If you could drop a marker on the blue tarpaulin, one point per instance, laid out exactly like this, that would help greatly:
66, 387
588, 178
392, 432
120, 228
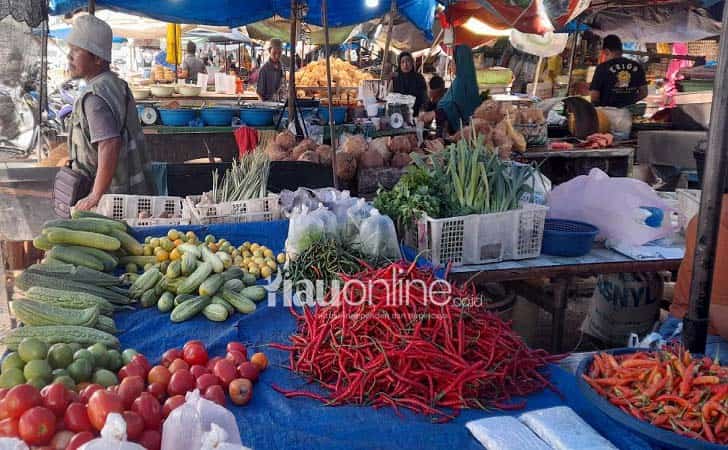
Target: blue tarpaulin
235, 13
270, 421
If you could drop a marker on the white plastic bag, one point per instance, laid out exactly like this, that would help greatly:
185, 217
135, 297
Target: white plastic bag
12, 444
356, 214
217, 439
331, 225
562, 429
303, 229
186, 425
622, 208
113, 436
378, 237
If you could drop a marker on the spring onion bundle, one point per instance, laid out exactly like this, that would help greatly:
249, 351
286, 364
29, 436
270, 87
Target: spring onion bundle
245, 180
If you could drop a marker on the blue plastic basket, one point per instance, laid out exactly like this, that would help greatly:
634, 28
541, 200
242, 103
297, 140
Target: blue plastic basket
339, 114
177, 117
567, 237
257, 117
217, 117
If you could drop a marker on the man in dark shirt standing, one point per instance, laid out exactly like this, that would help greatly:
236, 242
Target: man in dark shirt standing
618, 81
437, 90
270, 75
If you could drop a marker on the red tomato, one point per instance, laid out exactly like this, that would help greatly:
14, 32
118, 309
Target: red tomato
171, 404
88, 391
151, 440
189, 344
100, 405
79, 439
241, 391
4, 413
76, 418
195, 354
73, 397
142, 361
129, 390
178, 364
148, 407
132, 370
237, 347
225, 371
181, 382
113, 389
197, 371
3, 392
170, 355
9, 428
157, 390
55, 397
215, 393
236, 357
20, 399
249, 370
211, 363
61, 439
206, 381
37, 426
134, 425
159, 374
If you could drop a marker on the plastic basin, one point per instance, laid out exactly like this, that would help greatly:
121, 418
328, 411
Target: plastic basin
567, 237
177, 117
339, 114
217, 117
257, 117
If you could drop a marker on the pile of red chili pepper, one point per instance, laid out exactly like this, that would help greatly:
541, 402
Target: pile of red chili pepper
668, 388
406, 346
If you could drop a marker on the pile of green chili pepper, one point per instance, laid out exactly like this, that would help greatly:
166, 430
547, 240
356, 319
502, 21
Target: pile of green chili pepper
324, 260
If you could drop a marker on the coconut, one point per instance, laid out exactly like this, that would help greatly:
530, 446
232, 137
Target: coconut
371, 159
325, 154
286, 139
309, 156
356, 145
302, 147
400, 160
276, 152
381, 145
345, 166
400, 144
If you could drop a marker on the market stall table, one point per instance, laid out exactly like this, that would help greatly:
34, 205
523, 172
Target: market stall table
561, 166
562, 271
270, 421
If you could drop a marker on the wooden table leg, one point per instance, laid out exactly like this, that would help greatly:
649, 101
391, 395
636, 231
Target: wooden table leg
558, 317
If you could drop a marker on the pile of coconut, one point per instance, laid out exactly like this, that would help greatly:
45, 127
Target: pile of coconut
284, 148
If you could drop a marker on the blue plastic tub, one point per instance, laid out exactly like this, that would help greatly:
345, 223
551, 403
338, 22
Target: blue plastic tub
177, 117
257, 117
567, 237
339, 114
217, 117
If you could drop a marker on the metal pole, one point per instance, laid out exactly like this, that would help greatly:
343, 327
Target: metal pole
388, 42
695, 323
332, 130
537, 76
292, 70
571, 61
92, 7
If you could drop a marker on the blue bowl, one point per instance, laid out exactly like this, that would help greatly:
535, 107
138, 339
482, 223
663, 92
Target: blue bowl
660, 437
567, 237
339, 114
257, 117
306, 112
177, 117
217, 117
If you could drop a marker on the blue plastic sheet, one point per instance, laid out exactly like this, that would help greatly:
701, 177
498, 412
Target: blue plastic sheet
234, 13
270, 421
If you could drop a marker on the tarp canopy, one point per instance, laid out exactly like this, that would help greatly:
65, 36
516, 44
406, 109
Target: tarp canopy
235, 13
134, 27
281, 28
63, 32
220, 37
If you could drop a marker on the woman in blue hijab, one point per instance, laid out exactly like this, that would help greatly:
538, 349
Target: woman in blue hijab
458, 104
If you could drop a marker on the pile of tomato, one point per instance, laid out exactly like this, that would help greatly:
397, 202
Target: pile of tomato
57, 418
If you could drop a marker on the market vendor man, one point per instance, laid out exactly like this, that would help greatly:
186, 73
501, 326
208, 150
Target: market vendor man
270, 76
617, 82
192, 65
105, 141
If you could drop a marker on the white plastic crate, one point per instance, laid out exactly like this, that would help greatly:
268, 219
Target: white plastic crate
129, 207
483, 238
688, 205
265, 209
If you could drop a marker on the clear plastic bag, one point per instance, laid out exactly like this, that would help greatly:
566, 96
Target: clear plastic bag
303, 230
113, 436
217, 439
328, 218
562, 429
505, 433
186, 425
12, 444
378, 238
617, 206
356, 214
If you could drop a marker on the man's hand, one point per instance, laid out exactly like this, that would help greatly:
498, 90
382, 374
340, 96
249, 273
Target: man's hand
88, 202
427, 116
